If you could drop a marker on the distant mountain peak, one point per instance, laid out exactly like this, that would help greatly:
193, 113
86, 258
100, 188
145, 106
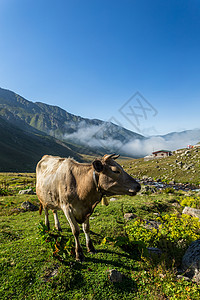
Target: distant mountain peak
61, 124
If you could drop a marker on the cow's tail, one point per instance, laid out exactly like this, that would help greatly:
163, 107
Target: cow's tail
41, 208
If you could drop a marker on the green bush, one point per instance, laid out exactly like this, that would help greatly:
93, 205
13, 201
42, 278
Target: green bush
190, 201
62, 247
174, 235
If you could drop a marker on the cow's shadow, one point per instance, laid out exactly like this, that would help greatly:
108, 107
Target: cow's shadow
107, 261
128, 284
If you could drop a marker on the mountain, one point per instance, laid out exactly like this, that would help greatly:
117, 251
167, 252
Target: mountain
29, 130
57, 122
191, 136
21, 150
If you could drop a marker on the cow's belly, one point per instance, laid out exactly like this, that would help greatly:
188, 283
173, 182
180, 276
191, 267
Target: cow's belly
48, 194
82, 211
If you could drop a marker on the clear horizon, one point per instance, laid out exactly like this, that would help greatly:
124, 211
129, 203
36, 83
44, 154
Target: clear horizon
134, 63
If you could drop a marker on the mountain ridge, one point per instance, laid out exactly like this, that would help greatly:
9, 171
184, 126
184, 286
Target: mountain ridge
21, 150
83, 136
54, 120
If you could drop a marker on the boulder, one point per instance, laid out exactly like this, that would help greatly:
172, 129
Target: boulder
183, 277
154, 251
147, 188
28, 206
152, 225
115, 276
113, 199
129, 216
172, 182
27, 192
194, 212
191, 261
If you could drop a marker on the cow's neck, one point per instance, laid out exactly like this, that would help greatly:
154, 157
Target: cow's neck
96, 182
88, 184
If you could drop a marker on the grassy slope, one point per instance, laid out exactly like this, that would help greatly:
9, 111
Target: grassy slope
20, 150
27, 264
169, 168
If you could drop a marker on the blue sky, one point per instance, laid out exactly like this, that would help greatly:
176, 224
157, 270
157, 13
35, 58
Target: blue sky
90, 57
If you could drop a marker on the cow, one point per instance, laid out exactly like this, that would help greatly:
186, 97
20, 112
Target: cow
76, 188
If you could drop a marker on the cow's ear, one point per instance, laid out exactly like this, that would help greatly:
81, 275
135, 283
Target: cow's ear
98, 166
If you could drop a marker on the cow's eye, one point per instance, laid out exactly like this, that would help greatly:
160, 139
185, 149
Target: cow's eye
116, 172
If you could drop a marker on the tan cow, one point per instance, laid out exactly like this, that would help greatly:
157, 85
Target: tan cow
76, 188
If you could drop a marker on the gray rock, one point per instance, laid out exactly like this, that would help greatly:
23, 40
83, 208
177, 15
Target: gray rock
176, 205
26, 192
183, 277
50, 273
115, 276
152, 225
172, 181
29, 206
187, 151
129, 216
147, 188
156, 214
113, 199
194, 212
154, 251
191, 261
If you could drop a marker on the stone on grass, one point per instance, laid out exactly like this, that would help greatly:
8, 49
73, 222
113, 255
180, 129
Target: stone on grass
28, 206
26, 192
113, 199
115, 276
183, 277
129, 216
152, 225
191, 261
154, 251
194, 212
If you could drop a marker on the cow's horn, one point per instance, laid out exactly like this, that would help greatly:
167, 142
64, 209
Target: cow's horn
113, 156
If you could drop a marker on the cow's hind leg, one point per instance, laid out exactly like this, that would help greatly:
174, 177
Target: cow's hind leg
76, 231
86, 229
57, 223
47, 218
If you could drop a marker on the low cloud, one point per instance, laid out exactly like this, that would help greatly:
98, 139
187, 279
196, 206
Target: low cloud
93, 137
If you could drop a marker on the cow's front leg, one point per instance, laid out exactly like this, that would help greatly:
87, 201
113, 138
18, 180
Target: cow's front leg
75, 230
86, 229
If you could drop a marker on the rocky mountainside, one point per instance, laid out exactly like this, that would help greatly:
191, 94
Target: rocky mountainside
182, 167
20, 150
57, 122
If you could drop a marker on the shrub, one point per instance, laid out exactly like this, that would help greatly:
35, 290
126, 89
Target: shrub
4, 192
62, 247
169, 190
190, 201
174, 235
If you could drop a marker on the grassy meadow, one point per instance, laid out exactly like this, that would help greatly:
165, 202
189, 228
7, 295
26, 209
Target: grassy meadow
36, 264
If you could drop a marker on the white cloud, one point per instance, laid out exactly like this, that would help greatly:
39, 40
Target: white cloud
89, 136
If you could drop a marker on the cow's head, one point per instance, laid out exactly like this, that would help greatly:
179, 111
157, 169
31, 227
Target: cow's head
113, 180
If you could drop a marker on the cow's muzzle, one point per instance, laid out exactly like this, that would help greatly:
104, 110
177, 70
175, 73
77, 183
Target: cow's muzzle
133, 192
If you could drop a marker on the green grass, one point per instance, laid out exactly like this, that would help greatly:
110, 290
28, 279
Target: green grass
168, 168
29, 270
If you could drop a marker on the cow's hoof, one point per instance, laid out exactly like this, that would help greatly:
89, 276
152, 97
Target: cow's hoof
59, 229
91, 248
80, 257
92, 251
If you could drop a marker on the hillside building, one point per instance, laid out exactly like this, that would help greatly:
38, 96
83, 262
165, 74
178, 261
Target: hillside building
161, 153
158, 154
